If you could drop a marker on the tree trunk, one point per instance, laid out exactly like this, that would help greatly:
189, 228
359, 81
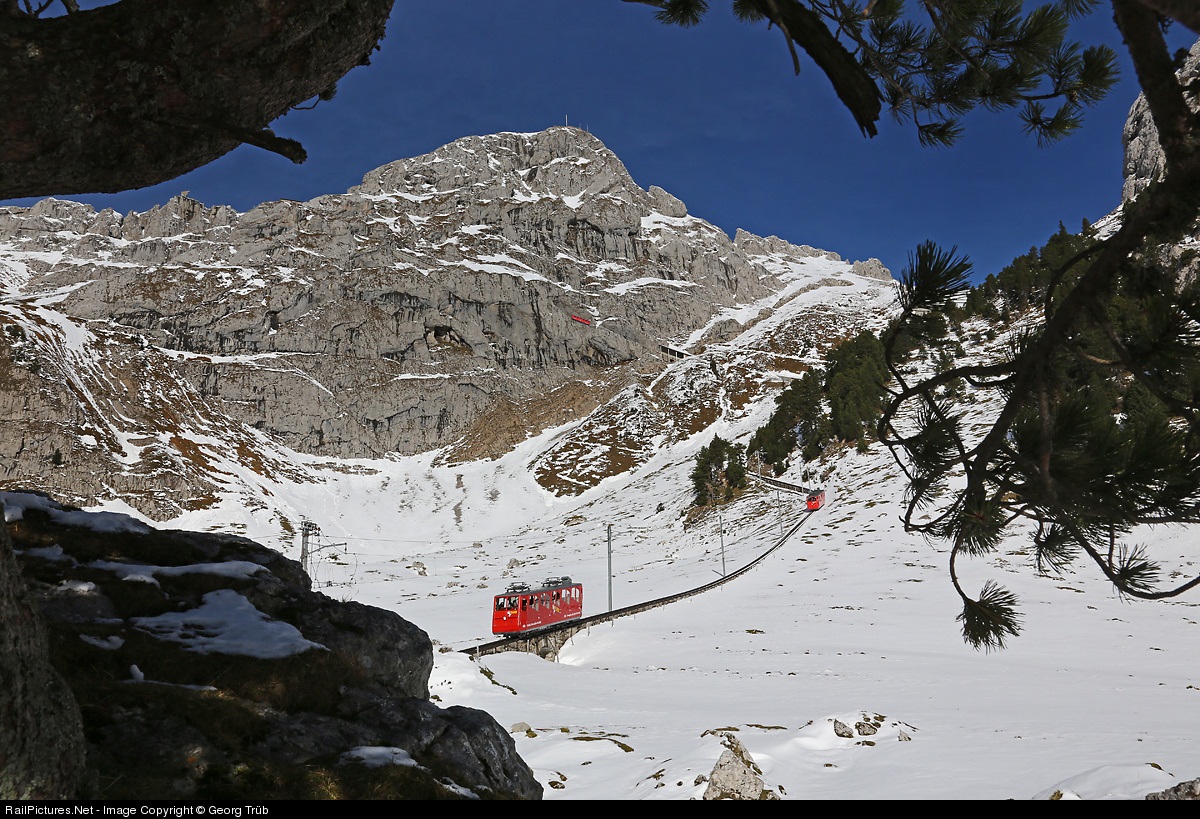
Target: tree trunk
140, 92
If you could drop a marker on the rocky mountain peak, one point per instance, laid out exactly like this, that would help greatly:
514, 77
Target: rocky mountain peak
560, 161
764, 245
452, 301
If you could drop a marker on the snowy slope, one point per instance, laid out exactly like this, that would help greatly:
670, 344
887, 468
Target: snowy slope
852, 620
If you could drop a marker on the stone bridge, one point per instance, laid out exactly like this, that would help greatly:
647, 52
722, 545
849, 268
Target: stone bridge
549, 641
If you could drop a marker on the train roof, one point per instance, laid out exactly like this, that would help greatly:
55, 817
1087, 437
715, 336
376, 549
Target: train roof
548, 583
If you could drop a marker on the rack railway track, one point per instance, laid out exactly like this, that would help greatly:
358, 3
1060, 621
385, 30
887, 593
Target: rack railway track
547, 641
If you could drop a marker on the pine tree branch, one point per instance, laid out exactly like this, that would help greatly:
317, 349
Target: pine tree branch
787, 35
803, 27
1163, 211
1139, 370
1057, 276
1179, 189
852, 84
1106, 565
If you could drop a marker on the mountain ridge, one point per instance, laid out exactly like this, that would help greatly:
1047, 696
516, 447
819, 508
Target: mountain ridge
147, 350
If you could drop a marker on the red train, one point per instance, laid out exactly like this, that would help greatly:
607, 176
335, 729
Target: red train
816, 500
522, 608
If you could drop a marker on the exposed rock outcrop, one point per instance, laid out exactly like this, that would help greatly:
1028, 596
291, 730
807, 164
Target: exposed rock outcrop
872, 269
1143, 155
172, 350
1144, 163
207, 668
41, 733
1183, 791
736, 776
749, 243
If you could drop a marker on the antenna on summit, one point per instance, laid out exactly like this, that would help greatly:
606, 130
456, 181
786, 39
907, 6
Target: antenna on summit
565, 120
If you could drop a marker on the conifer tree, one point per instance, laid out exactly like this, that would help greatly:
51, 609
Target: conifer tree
854, 385
932, 61
1118, 320
720, 468
1097, 432
798, 420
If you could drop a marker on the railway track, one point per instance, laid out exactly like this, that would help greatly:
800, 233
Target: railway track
784, 485
557, 635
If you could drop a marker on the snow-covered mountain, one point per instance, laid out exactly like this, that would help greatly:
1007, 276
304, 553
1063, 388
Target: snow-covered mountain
456, 302
245, 391
850, 622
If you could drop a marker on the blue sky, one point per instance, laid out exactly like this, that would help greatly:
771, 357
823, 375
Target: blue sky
712, 114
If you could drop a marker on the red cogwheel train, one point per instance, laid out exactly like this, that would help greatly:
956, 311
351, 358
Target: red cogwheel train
525, 608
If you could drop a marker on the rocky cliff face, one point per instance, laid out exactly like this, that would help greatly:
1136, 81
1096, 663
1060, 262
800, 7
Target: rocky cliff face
41, 734
1144, 163
151, 356
1143, 155
207, 668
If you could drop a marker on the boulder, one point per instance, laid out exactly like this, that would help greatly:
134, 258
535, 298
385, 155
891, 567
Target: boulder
1184, 790
736, 776
208, 668
41, 731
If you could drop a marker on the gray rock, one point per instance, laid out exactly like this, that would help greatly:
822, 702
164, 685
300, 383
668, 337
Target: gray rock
1144, 163
394, 318
872, 269
1184, 790
216, 724
42, 747
736, 776
758, 245
1143, 154
392, 653
667, 204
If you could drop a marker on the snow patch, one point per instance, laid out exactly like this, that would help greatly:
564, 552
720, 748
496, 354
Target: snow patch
227, 623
